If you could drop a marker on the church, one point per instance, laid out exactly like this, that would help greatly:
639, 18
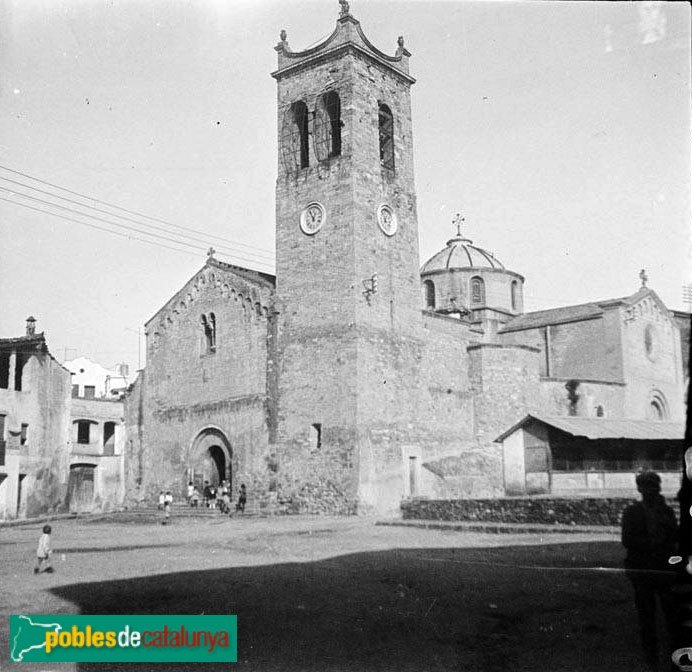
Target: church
356, 377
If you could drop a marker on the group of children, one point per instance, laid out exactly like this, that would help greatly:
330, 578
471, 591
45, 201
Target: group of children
217, 496
212, 497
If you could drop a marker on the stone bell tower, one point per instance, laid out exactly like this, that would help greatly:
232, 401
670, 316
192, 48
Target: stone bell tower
348, 286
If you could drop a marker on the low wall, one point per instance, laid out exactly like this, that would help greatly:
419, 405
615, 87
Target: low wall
587, 511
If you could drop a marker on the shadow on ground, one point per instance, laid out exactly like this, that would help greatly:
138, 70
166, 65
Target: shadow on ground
108, 549
538, 608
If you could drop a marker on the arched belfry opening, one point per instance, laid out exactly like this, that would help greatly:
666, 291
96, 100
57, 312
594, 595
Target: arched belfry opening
210, 458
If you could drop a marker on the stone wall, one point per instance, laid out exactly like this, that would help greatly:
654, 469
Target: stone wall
652, 358
587, 397
350, 365
583, 511
45, 456
36, 470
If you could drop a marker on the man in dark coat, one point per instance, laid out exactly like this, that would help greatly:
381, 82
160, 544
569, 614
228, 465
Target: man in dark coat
649, 533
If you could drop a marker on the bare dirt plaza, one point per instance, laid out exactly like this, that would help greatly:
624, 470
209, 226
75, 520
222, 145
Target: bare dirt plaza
318, 593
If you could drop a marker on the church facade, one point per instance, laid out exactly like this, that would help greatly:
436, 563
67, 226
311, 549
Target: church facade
355, 377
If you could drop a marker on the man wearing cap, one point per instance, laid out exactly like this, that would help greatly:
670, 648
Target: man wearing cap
649, 533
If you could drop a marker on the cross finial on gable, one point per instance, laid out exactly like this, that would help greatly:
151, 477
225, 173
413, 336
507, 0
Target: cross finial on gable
643, 277
211, 252
345, 9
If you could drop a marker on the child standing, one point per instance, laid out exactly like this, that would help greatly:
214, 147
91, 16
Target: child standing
167, 501
43, 551
242, 499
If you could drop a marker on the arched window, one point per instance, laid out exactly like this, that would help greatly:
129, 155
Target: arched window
386, 120
429, 294
300, 133
109, 438
327, 129
209, 327
82, 431
600, 411
515, 295
658, 408
477, 290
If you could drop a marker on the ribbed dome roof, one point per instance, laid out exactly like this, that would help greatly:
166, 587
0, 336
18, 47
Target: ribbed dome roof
461, 253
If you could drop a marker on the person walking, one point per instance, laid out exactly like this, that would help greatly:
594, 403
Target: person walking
649, 533
44, 551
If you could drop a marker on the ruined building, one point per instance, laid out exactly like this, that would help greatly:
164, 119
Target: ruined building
354, 378
59, 451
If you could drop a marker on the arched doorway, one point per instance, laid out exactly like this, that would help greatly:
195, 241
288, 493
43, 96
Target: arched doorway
210, 458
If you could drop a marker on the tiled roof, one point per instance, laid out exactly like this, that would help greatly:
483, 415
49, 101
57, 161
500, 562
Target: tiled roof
607, 428
582, 311
246, 273
541, 318
37, 342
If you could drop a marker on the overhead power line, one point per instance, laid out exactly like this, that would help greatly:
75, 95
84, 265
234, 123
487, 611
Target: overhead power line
123, 217
100, 228
185, 244
132, 212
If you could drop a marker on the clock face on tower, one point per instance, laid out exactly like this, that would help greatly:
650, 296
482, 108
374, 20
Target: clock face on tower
386, 218
312, 218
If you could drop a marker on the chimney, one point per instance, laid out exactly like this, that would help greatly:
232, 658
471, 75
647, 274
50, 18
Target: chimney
30, 326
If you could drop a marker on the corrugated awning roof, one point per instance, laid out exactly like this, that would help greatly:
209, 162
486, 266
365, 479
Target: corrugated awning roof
607, 428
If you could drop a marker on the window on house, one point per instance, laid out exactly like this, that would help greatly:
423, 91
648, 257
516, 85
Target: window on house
515, 295
301, 118
4, 370
477, 290
316, 436
386, 121
89, 391
429, 289
75, 391
23, 434
413, 476
600, 411
109, 438
20, 361
2, 439
83, 432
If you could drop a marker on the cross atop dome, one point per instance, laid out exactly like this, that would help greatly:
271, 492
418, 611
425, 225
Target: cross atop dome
457, 221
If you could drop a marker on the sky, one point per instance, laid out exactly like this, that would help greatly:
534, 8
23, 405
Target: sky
561, 131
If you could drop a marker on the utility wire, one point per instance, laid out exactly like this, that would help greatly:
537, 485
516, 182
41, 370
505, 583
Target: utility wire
229, 250
115, 224
100, 228
131, 212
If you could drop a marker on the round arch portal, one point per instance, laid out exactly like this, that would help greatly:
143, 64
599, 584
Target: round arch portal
210, 458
